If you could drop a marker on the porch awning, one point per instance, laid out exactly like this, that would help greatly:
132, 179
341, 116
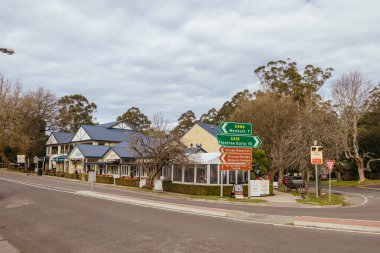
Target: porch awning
60, 158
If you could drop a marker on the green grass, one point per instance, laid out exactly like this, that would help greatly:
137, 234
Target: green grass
336, 199
352, 183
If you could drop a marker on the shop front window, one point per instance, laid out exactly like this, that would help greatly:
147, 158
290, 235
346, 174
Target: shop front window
213, 173
166, 171
202, 173
232, 176
177, 173
189, 174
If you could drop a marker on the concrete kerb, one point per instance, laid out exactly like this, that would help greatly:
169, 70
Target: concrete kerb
6, 247
287, 200
302, 221
338, 224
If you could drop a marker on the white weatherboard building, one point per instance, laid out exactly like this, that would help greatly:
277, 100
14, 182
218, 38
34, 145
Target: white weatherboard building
105, 148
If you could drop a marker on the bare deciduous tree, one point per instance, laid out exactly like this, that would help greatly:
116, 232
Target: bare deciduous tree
158, 149
350, 94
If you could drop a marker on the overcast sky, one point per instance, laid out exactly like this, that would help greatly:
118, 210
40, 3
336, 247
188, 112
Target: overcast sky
173, 56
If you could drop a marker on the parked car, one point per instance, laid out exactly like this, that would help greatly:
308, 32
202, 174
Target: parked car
297, 181
294, 182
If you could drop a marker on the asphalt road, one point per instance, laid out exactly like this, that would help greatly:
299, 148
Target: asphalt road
36, 219
369, 210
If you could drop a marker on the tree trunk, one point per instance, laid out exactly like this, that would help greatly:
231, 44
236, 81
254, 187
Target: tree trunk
152, 176
360, 164
338, 176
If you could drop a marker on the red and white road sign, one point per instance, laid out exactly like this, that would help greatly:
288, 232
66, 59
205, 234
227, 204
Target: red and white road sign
231, 166
236, 150
330, 164
236, 158
316, 155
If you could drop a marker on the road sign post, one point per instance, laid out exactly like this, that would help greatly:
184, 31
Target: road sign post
238, 141
236, 151
91, 178
330, 165
316, 157
236, 128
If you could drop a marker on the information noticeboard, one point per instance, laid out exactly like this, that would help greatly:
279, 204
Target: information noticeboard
259, 188
20, 158
91, 176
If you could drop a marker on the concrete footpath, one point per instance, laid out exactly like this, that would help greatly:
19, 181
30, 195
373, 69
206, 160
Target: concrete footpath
6, 247
298, 221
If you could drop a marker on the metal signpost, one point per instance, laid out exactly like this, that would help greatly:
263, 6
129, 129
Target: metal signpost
236, 158
238, 141
316, 158
330, 165
236, 128
91, 177
236, 151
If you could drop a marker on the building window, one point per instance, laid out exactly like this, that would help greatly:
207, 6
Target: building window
166, 171
202, 173
213, 173
189, 174
113, 170
240, 176
232, 178
177, 173
54, 150
124, 170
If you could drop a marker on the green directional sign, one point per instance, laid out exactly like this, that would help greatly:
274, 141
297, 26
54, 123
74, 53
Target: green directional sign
238, 141
236, 128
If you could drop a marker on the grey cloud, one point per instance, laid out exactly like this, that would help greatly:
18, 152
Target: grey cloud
172, 56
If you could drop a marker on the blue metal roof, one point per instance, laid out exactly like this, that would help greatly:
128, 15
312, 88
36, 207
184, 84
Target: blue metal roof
212, 129
92, 151
194, 150
124, 152
110, 124
62, 137
99, 133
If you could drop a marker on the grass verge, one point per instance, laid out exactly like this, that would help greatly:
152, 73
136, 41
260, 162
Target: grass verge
352, 183
311, 199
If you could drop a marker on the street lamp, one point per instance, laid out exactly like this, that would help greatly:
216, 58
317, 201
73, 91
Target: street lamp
7, 51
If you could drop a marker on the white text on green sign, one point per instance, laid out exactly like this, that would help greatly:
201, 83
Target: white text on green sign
238, 141
236, 128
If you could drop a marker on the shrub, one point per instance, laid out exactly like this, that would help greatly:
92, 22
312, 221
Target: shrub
104, 179
204, 190
73, 176
128, 182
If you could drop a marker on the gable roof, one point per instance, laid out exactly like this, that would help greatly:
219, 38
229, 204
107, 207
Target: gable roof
110, 124
114, 124
211, 129
195, 150
62, 137
124, 152
99, 133
92, 151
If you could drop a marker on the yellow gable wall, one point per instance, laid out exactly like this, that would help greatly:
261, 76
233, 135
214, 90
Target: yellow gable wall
197, 135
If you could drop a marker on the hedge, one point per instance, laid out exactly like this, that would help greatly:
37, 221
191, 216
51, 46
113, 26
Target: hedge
104, 179
73, 176
204, 190
128, 182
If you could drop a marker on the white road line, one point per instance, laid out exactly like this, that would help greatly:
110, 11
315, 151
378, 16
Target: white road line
65, 190
361, 195
52, 188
